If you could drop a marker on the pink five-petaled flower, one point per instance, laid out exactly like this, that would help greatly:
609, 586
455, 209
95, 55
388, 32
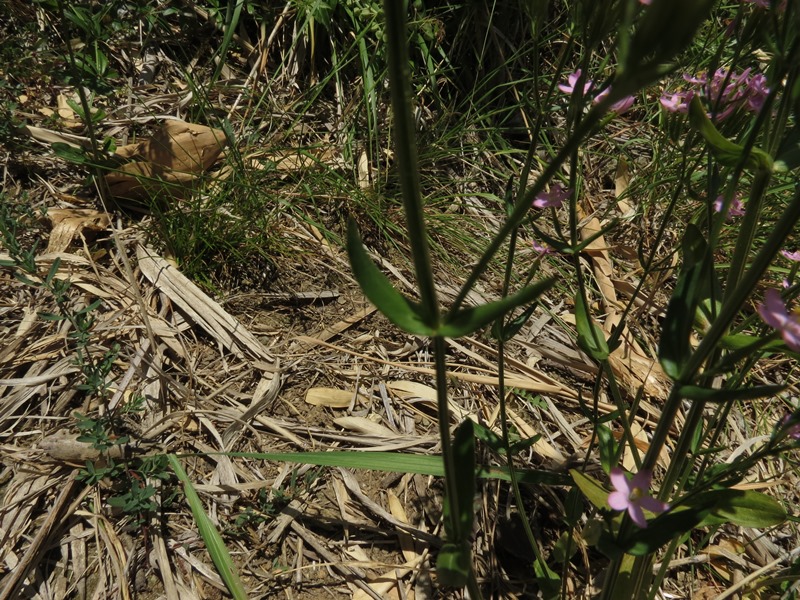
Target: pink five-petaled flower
554, 197
736, 209
677, 102
572, 81
795, 256
774, 313
541, 249
633, 495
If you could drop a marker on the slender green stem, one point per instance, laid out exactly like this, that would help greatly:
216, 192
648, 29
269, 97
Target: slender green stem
747, 232
439, 349
406, 151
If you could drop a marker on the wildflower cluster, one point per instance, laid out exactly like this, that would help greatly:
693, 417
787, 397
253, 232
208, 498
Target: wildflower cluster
726, 92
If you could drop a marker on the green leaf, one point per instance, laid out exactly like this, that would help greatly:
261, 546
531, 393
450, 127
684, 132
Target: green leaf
70, 153
591, 338
595, 493
216, 546
488, 437
728, 153
378, 289
469, 320
693, 392
453, 565
750, 343
745, 508
674, 349
395, 462
464, 456
659, 531
607, 446
513, 327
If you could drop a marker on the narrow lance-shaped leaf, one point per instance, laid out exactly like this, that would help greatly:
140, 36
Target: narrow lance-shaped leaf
674, 349
728, 153
213, 540
745, 508
401, 311
396, 462
469, 320
591, 338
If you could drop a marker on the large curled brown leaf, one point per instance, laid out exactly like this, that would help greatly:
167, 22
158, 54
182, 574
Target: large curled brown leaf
167, 163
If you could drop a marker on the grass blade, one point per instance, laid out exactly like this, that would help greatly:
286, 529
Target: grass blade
216, 547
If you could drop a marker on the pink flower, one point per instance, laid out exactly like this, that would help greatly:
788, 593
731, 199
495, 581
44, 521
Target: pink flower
677, 102
735, 210
725, 91
572, 81
541, 249
554, 197
695, 79
620, 106
645, 2
774, 313
757, 92
795, 256
633, 495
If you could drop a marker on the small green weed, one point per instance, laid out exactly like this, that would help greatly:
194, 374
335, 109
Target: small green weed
268, 503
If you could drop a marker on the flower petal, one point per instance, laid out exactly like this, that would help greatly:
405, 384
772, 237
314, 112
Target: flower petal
637, 515
653, 505
619, 481
773, 310
618, 500
795, 256
642, 480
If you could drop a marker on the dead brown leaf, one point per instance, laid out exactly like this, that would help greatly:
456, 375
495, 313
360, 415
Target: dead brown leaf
169, 162
70, 223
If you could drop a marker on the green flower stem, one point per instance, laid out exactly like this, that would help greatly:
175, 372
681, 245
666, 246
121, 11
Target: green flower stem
406, 150
747, 231
454, 526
